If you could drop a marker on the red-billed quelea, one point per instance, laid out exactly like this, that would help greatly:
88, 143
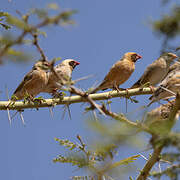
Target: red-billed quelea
156, 71
62, 76
33, 82
120, 72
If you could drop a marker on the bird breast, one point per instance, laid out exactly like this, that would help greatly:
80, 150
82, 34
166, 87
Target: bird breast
120, 72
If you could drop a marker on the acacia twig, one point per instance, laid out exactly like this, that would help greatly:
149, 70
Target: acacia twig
19, 105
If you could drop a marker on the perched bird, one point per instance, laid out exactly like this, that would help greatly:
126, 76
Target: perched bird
156, 71
167, 89
61, 77
120, 72
157, 119
33, 82
174, 68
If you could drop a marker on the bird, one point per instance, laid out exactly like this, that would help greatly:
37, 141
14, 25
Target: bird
167, 89
174, 68
157, 119
156, 71
119, 72
61, 77
33, 82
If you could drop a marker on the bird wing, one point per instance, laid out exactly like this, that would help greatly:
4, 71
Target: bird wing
152, 73
118, 74
26, 79
148, 73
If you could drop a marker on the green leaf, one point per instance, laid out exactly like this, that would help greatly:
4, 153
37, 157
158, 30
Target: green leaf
67, 14
41, 13
75, 160
18, 56
3, 14
66, 143
53, 6
41, 33
5, 26
124, 161
17, 22
14, 52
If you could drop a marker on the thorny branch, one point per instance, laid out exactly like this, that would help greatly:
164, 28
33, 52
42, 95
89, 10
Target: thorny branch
87, 97
19, 105
83, 97
157, 149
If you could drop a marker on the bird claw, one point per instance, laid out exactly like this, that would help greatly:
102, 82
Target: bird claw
28, 98
38, 100
115, 87
58, 94
127, 92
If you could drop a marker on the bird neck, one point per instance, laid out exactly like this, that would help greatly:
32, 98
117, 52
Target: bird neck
37, 68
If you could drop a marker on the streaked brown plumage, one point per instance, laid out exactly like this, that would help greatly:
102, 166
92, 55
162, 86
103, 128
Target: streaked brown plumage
33, 82
157, 119
174, 69
171, 84
156, 71
120, 72
64, 72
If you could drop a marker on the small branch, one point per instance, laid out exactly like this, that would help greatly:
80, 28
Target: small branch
19, 105
50, 20
169, 169
157, 149
35, 36
150, 163
87, 97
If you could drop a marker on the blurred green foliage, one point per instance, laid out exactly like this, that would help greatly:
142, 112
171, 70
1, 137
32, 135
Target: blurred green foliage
20, 24
168, 26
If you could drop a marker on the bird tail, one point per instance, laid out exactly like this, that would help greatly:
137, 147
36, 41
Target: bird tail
102, 86
151, 98
152, 101
94, 90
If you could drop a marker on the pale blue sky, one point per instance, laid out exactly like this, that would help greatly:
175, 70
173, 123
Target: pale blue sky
105, 30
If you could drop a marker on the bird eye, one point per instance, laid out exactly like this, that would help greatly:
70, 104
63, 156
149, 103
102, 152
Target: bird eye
71, 63
46, 64
134, 57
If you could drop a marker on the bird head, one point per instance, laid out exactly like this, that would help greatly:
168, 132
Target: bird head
169, 57
132, 56
42, 64
70, 62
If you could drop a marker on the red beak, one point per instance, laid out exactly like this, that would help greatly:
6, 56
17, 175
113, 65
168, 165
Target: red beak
77, 63
138, 56
175, 56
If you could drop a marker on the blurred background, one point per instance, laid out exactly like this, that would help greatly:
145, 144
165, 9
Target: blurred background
102, 33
